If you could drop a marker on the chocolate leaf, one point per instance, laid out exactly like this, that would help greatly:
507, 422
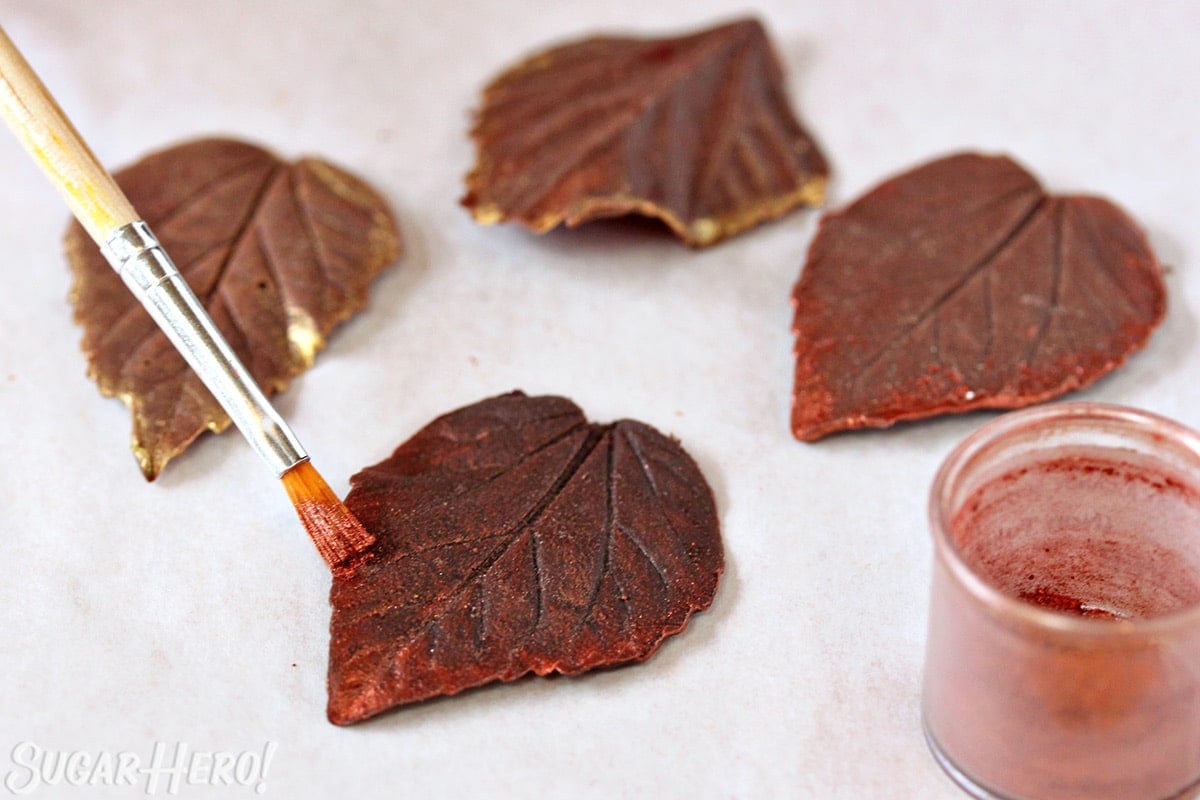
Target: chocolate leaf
963, 285
514, 537
694, 130
278, 253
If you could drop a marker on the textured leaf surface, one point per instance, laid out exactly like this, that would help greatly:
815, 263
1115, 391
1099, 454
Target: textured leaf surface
278, 253
694, 130
514, 537
963, 285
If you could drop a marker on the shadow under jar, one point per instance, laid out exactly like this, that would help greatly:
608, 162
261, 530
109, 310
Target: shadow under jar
1063, 657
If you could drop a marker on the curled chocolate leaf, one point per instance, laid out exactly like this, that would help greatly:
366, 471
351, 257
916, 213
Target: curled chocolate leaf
278, 253
962, 285
514, 537
694, 130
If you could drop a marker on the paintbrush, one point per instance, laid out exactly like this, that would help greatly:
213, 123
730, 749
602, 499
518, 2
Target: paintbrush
133, 251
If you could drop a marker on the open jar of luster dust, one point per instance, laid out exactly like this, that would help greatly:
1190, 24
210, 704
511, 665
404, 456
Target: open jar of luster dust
1063, 658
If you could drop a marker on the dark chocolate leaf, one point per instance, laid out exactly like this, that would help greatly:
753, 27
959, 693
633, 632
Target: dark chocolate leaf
962, 285
513, 537
278, 253
694, 130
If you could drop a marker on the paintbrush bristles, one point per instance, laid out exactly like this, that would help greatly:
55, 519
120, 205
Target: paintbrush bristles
336, 532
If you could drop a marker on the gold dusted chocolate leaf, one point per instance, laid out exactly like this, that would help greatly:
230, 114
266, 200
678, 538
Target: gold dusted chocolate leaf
695, 131
278, 253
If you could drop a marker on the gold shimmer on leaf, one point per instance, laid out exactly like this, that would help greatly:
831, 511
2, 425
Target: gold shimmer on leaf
303, 336
695, 131
489, 214
278, 253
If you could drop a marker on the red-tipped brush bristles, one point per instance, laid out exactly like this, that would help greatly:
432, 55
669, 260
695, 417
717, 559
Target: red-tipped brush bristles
333, 529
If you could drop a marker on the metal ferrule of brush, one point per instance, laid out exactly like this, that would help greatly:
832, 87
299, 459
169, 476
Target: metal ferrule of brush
136, 255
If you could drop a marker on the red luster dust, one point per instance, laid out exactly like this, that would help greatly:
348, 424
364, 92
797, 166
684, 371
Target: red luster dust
514, 538
1107, 708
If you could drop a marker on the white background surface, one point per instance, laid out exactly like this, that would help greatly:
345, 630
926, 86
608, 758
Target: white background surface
194, 610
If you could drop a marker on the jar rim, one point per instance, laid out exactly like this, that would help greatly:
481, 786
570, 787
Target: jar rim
1029, 420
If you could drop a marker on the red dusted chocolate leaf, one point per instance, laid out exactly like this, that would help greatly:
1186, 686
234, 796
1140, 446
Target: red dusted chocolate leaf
962, 285
278, 253
694, 130
514, 537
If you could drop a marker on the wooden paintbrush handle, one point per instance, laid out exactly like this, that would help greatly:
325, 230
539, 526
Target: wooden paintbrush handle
33, 115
